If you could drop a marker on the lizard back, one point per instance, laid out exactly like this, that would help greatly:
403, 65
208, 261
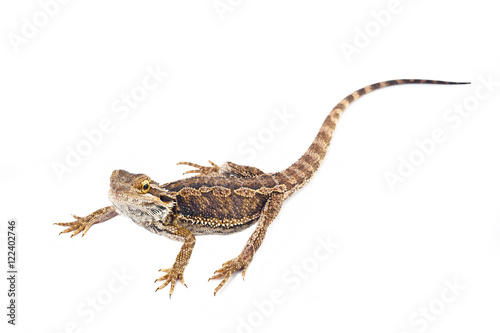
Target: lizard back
211, 205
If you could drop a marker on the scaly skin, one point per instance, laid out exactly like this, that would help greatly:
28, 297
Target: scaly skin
217, 200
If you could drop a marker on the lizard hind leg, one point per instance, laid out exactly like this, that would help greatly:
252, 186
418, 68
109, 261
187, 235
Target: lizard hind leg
241, 262
228, 169
202, 170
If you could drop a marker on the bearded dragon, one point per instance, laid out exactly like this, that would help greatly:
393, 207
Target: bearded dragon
217, 199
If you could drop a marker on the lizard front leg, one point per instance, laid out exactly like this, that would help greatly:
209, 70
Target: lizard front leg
241, 262
228, 169
84, 223
176, 272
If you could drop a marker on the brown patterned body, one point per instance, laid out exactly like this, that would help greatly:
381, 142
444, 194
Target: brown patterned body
218, 200
221, 205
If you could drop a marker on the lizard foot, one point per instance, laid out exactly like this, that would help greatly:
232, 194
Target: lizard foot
202, 170
81, 224
228, 269
173, 274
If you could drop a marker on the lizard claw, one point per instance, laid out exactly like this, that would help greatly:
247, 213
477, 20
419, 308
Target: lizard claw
81, 224
228, 269
202, 170
173, 274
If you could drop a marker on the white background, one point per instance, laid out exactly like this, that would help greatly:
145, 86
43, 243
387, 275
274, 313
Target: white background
227, 72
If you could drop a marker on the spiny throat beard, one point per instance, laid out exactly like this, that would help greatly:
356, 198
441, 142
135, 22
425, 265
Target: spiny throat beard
138, 209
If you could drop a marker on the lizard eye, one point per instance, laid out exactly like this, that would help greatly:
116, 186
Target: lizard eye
145, 186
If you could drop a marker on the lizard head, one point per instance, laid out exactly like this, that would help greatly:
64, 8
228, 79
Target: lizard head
138, 197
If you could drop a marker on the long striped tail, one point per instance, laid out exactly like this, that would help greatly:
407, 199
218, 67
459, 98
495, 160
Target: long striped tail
300, 172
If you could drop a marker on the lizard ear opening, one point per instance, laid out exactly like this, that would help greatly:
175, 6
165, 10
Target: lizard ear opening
164, 198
